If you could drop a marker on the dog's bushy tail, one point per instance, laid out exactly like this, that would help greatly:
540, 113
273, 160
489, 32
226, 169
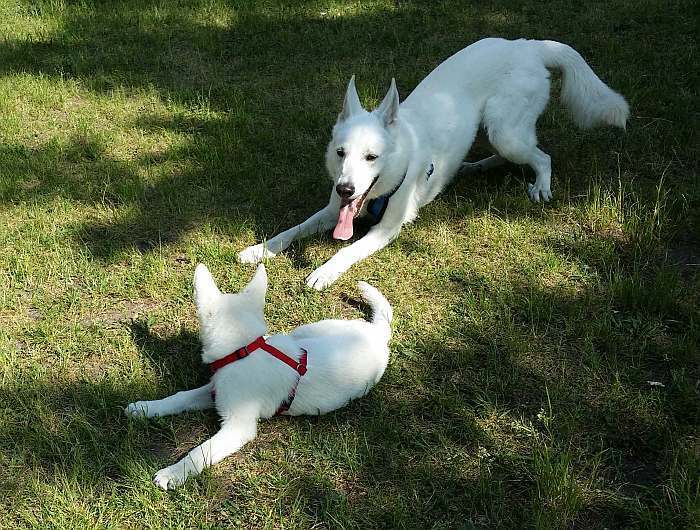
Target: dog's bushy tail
590, 100
382, 313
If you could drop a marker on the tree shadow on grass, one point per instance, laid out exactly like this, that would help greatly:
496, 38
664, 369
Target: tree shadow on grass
177, 358
71, 429
76, 427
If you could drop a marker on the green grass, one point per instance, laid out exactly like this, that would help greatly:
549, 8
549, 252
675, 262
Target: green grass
139, 138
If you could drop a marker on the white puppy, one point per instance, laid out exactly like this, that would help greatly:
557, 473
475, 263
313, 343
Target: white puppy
315, 369
388, 163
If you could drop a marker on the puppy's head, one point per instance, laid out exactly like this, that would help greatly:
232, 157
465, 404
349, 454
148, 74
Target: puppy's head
228, 321
360, 150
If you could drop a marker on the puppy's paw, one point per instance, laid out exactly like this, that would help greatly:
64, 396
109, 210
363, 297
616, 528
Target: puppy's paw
536, 192
255, 254
139, 409
323, 276
170, 477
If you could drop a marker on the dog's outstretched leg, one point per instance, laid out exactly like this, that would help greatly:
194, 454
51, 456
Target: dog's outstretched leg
234, 434
197, 399
322, 220
377, 238
399, 211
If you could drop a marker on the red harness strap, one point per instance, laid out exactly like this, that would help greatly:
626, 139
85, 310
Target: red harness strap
260, 344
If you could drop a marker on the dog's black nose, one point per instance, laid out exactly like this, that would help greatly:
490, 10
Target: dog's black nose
345, 190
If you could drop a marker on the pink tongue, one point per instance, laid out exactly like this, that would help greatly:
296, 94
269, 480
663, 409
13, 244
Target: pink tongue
343, 230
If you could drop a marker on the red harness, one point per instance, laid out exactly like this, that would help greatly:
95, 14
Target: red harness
260, 344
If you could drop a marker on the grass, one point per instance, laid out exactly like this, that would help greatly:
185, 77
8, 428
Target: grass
139, 138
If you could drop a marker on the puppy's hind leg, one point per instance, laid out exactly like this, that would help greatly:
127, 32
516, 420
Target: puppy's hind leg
197, 399
233, 435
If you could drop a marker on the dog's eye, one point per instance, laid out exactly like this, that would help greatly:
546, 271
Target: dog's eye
370, 157
341, 152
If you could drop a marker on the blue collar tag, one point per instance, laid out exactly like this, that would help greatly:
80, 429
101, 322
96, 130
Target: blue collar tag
377, 207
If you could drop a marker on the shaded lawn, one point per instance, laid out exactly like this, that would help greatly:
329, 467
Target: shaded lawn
139, 138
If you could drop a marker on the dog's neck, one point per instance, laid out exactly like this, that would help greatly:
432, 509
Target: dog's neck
220, 339
397, 167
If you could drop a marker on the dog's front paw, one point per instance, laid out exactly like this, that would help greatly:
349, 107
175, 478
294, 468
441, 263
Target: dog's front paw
255, 254
535, 192
170, 477
139, 409
323, 276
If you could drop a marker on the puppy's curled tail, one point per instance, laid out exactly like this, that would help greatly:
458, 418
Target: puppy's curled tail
382, 313
590, 100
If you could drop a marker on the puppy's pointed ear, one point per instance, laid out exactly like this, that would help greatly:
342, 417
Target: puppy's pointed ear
257, 287
351, 105
389, 107
206, 292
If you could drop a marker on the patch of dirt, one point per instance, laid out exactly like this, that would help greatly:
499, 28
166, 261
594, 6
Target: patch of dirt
28, 185
192, 66
351, 488
35, 314
160, 448
189, 435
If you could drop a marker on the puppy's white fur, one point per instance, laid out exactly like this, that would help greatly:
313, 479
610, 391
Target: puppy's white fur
499, 84
345, 360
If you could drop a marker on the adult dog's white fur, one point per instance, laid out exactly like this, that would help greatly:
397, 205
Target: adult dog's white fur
499, 84
345, 360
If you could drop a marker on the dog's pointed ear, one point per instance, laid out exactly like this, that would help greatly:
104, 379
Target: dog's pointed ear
389, 107
257, 287
205, 290
351, 105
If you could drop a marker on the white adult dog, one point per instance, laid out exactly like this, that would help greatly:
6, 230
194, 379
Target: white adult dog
392, 161
315, 369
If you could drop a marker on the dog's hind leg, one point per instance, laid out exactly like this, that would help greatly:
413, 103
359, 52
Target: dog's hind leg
234, 434
542, 164
538, 160
510, 121
483, 165
197, 399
